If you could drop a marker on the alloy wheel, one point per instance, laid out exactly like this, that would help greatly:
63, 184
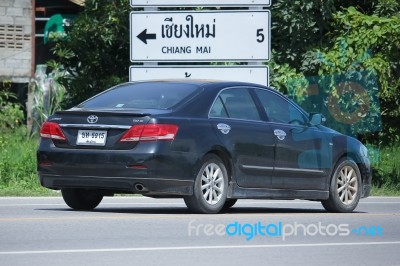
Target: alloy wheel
347, 185
212, 183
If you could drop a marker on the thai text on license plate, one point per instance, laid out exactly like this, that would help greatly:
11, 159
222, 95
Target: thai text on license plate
91, 137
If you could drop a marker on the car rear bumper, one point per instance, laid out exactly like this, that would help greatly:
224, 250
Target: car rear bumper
145, 186
152, 165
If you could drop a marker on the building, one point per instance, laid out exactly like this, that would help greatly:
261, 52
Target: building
22, 45
16, 40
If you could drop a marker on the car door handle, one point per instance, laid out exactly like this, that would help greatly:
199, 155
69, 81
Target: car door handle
280, 134
224, 128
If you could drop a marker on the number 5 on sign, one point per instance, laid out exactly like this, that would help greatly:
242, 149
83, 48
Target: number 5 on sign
260, 35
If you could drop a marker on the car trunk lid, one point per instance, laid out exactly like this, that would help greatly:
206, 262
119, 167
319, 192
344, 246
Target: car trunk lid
99, 129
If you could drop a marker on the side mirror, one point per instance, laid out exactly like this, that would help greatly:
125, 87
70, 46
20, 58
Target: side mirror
316, 119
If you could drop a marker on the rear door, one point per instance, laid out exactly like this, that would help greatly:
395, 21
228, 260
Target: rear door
238, 124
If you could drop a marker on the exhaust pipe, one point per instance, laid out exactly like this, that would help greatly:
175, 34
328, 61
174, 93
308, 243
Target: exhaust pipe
140, 187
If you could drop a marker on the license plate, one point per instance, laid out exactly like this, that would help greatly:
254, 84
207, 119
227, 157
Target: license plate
91, 137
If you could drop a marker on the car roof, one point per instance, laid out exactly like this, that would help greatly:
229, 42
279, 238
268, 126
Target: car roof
200, 82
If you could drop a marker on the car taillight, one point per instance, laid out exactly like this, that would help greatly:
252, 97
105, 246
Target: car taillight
52, 130
150, 132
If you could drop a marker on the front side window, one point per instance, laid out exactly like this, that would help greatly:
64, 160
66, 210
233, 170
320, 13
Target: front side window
235, 103
279, 109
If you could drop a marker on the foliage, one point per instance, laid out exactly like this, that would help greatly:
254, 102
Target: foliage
386, 167
11, 114
364, 42
96, 50
298, 27
353, 42
48, 93
18, 163
387, 8
365, 46
287, 80
384, 191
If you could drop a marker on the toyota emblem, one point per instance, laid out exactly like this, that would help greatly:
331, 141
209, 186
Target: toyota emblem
92, 119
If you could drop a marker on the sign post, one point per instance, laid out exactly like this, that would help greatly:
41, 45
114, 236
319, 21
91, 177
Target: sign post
196, 3
253, 74
229, 34
209, 36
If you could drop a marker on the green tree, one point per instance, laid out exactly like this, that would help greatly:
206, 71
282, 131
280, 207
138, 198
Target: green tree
298, 27
369, 44
96, 49
336, 40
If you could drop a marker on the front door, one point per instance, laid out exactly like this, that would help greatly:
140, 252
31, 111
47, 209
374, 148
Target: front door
299, 147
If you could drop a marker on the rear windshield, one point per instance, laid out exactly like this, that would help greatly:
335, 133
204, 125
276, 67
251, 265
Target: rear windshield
158, 95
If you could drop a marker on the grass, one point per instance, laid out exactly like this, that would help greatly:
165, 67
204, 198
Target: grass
386, 170
19, 192
387, 191
18, 176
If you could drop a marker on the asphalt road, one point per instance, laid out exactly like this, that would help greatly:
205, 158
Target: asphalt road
144, 231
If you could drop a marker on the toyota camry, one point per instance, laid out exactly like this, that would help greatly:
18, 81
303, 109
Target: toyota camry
208, 142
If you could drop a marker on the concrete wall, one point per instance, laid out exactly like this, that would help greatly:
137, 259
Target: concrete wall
15, 40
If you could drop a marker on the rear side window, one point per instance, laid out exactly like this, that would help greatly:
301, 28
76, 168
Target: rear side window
235, 103
141, 96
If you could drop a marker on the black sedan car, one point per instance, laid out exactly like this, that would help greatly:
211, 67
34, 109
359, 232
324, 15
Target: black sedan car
210, 143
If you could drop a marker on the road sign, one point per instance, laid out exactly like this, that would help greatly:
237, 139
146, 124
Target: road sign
254, 74
172, 36
164, 3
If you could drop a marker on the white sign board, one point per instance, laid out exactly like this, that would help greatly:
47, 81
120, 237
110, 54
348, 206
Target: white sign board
164, 3
253, 74
173, 36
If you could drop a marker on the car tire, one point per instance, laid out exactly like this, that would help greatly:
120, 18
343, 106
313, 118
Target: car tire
210, 187
229, 204
81, 199
345, 187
